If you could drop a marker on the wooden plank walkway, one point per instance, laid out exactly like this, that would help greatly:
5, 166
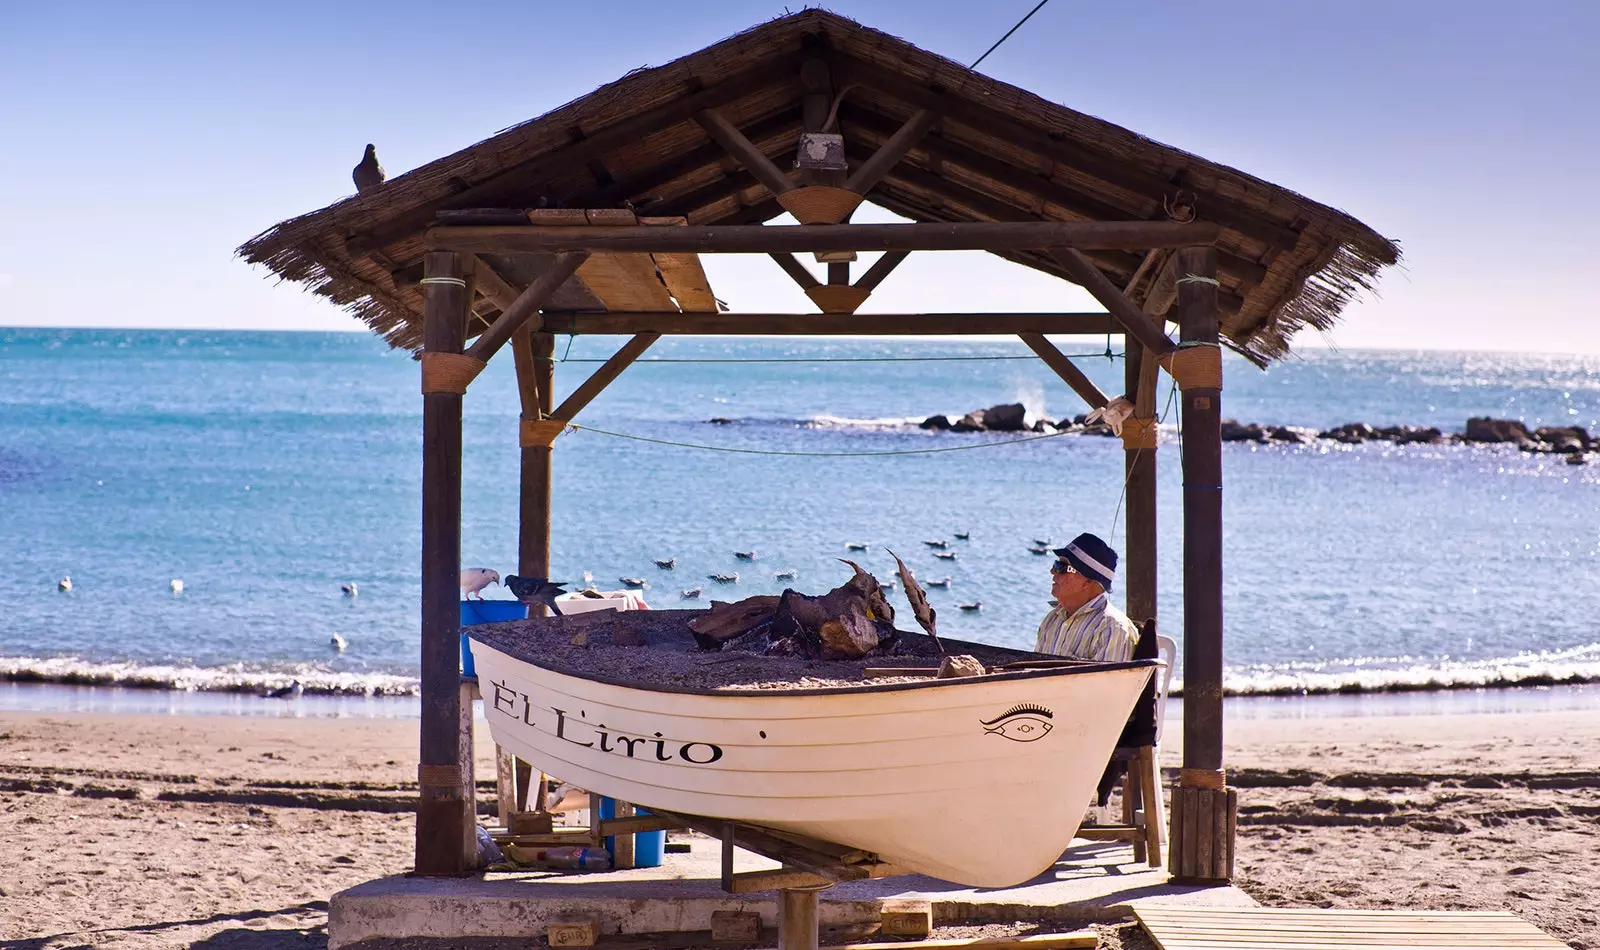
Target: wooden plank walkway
1285, 928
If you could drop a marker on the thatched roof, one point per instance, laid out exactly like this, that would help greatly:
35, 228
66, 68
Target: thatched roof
998, 153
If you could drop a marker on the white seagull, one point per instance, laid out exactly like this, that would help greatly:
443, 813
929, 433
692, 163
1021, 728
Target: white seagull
65, 584
475, 579
338, 643
350, 589
177, 586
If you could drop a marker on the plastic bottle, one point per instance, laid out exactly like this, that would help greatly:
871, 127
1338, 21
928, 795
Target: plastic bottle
576, 859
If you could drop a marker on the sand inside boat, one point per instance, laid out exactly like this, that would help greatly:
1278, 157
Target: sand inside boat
599, 646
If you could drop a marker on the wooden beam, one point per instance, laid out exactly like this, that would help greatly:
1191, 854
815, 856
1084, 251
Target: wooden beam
1066, 369
798, 271
761, 239
638, 184
829, 324
534, 296
608, 371
727, 135
902, 141
442, 817
1083, 272
880, 269
527, 176
492, 285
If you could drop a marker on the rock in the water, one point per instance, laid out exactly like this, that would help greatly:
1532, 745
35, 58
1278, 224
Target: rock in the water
971, 422
1414, 435
1350, 433
1285, 434
1483, 429
1563, 439
1005, 418
1232, 431
1043, 424
939, 422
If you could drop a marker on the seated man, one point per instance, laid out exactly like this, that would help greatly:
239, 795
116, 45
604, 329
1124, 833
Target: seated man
1084, 625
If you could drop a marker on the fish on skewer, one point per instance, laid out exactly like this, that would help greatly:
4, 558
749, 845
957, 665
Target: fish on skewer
920, 609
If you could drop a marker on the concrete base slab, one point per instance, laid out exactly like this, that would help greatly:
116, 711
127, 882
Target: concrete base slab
1093, 881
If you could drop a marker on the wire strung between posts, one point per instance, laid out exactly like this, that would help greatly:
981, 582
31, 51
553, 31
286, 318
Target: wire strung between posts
1116, 515
840, 359
719, 448
1008, 34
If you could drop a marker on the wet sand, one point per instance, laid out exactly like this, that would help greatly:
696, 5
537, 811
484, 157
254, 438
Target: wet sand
162, 831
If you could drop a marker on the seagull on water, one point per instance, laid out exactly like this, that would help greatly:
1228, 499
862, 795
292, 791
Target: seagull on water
666, 564
963, 535
941, 543
350, 589
292, 691
475, 579
745, 555
1039, 549
690, 594
856, 546
945, 555
725, 578
940, 583
635, 582
1042, 542
338, 643
975, 605
65, 584
784, 575
177, 586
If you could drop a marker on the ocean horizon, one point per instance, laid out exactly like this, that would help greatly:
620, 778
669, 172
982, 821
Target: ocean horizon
265, 470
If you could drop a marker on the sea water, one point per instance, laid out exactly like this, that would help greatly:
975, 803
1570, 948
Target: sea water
268, 470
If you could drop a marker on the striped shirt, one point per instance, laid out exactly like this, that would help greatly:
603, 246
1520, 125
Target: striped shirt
1095, 631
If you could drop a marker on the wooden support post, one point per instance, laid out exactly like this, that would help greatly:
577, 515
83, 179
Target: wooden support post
797, 919
1139, 468
538, 381
1203, 809
1065, 368
443, 822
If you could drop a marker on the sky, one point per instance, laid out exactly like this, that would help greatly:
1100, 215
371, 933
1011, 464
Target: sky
141, 143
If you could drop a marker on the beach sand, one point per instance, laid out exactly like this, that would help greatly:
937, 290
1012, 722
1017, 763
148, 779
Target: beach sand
158, 831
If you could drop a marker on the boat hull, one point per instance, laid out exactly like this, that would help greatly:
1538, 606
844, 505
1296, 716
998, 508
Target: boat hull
979, 781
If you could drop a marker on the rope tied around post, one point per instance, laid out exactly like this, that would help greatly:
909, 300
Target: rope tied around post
448, 281
440, 778
1197, 279
1139, 433
449, 372
1195, 365
540, 433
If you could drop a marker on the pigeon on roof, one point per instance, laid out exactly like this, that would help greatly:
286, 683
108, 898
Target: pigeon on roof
369, 174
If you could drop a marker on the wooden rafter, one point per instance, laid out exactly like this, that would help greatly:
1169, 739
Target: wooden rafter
796, 270
524, 175
756, 162
901, 142
880, 269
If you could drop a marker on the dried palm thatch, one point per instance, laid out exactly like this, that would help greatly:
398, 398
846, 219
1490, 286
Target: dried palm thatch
997, 153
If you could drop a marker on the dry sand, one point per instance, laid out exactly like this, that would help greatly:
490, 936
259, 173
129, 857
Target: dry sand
145, 831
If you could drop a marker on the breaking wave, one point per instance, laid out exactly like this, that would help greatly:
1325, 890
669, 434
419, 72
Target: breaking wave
234, 678
1573, 666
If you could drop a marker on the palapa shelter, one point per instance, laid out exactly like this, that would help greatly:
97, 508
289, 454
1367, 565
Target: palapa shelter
590, 218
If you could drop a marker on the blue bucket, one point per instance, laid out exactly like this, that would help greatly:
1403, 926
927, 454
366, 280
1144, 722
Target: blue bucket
486, 611
649, 847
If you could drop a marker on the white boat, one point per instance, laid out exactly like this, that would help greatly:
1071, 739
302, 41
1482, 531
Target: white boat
981, 781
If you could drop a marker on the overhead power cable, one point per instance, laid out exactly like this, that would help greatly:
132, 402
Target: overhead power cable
1008, 34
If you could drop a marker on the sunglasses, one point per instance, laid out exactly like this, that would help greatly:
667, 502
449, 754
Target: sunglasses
1062, 567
